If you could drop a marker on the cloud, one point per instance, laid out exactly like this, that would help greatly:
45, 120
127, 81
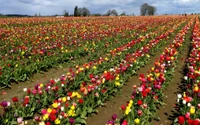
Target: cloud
51, 7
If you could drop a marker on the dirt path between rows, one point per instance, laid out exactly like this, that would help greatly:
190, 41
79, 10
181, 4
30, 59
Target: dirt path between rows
112, 106
166, 112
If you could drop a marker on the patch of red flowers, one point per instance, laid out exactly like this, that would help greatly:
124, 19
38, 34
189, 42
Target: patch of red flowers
15, 99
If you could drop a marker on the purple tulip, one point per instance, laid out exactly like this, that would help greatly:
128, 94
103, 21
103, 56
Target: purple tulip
71, 120
199, 94
114, 117
5, 104
111, 122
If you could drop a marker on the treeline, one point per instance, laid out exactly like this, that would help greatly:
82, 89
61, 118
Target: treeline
14, 15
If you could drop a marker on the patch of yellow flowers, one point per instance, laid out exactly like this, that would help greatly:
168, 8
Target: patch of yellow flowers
117, 83
128, 108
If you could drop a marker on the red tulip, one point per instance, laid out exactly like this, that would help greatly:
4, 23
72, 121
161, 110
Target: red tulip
139, 102
181, 120
15, 99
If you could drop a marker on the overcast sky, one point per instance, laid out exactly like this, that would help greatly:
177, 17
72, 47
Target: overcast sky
52, 7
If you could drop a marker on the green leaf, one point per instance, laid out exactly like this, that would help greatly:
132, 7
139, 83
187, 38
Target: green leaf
13, 122
80, 121
83, 114
90, 110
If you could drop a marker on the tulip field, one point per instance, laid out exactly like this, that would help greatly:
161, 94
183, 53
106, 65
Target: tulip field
102, 55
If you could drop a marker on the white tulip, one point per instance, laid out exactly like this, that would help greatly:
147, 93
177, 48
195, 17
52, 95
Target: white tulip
179, 96
68, 98
184, 102
25, 89
62, 108
186, 77
189, 104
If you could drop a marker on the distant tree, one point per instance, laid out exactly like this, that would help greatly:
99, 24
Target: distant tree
108, 13
133, 14
39, 14
145, 9
79, 12
151, 10
36, 14
114, 12
96, 14
76, 13
85, 12
123, 13
111, 12
66, 13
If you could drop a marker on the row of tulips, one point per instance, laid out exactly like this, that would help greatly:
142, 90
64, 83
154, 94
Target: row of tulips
140, 109
43, 44
73, 109
188, 103
55, 89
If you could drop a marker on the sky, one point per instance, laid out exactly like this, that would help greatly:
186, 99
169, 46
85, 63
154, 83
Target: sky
52, 7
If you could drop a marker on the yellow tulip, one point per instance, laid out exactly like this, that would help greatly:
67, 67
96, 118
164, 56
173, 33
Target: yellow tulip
137, 120
55, 105
192, 110
49, 110
45, 117
117, 78
94, 67
117, 83
41, 85
57, 121
64, 99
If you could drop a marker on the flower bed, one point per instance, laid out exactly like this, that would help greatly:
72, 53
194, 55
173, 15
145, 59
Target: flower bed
141, 107
188, 103
95, 86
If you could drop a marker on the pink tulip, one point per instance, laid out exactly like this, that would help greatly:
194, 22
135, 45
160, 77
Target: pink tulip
19, 120
139, 112
44, 111
187, 115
